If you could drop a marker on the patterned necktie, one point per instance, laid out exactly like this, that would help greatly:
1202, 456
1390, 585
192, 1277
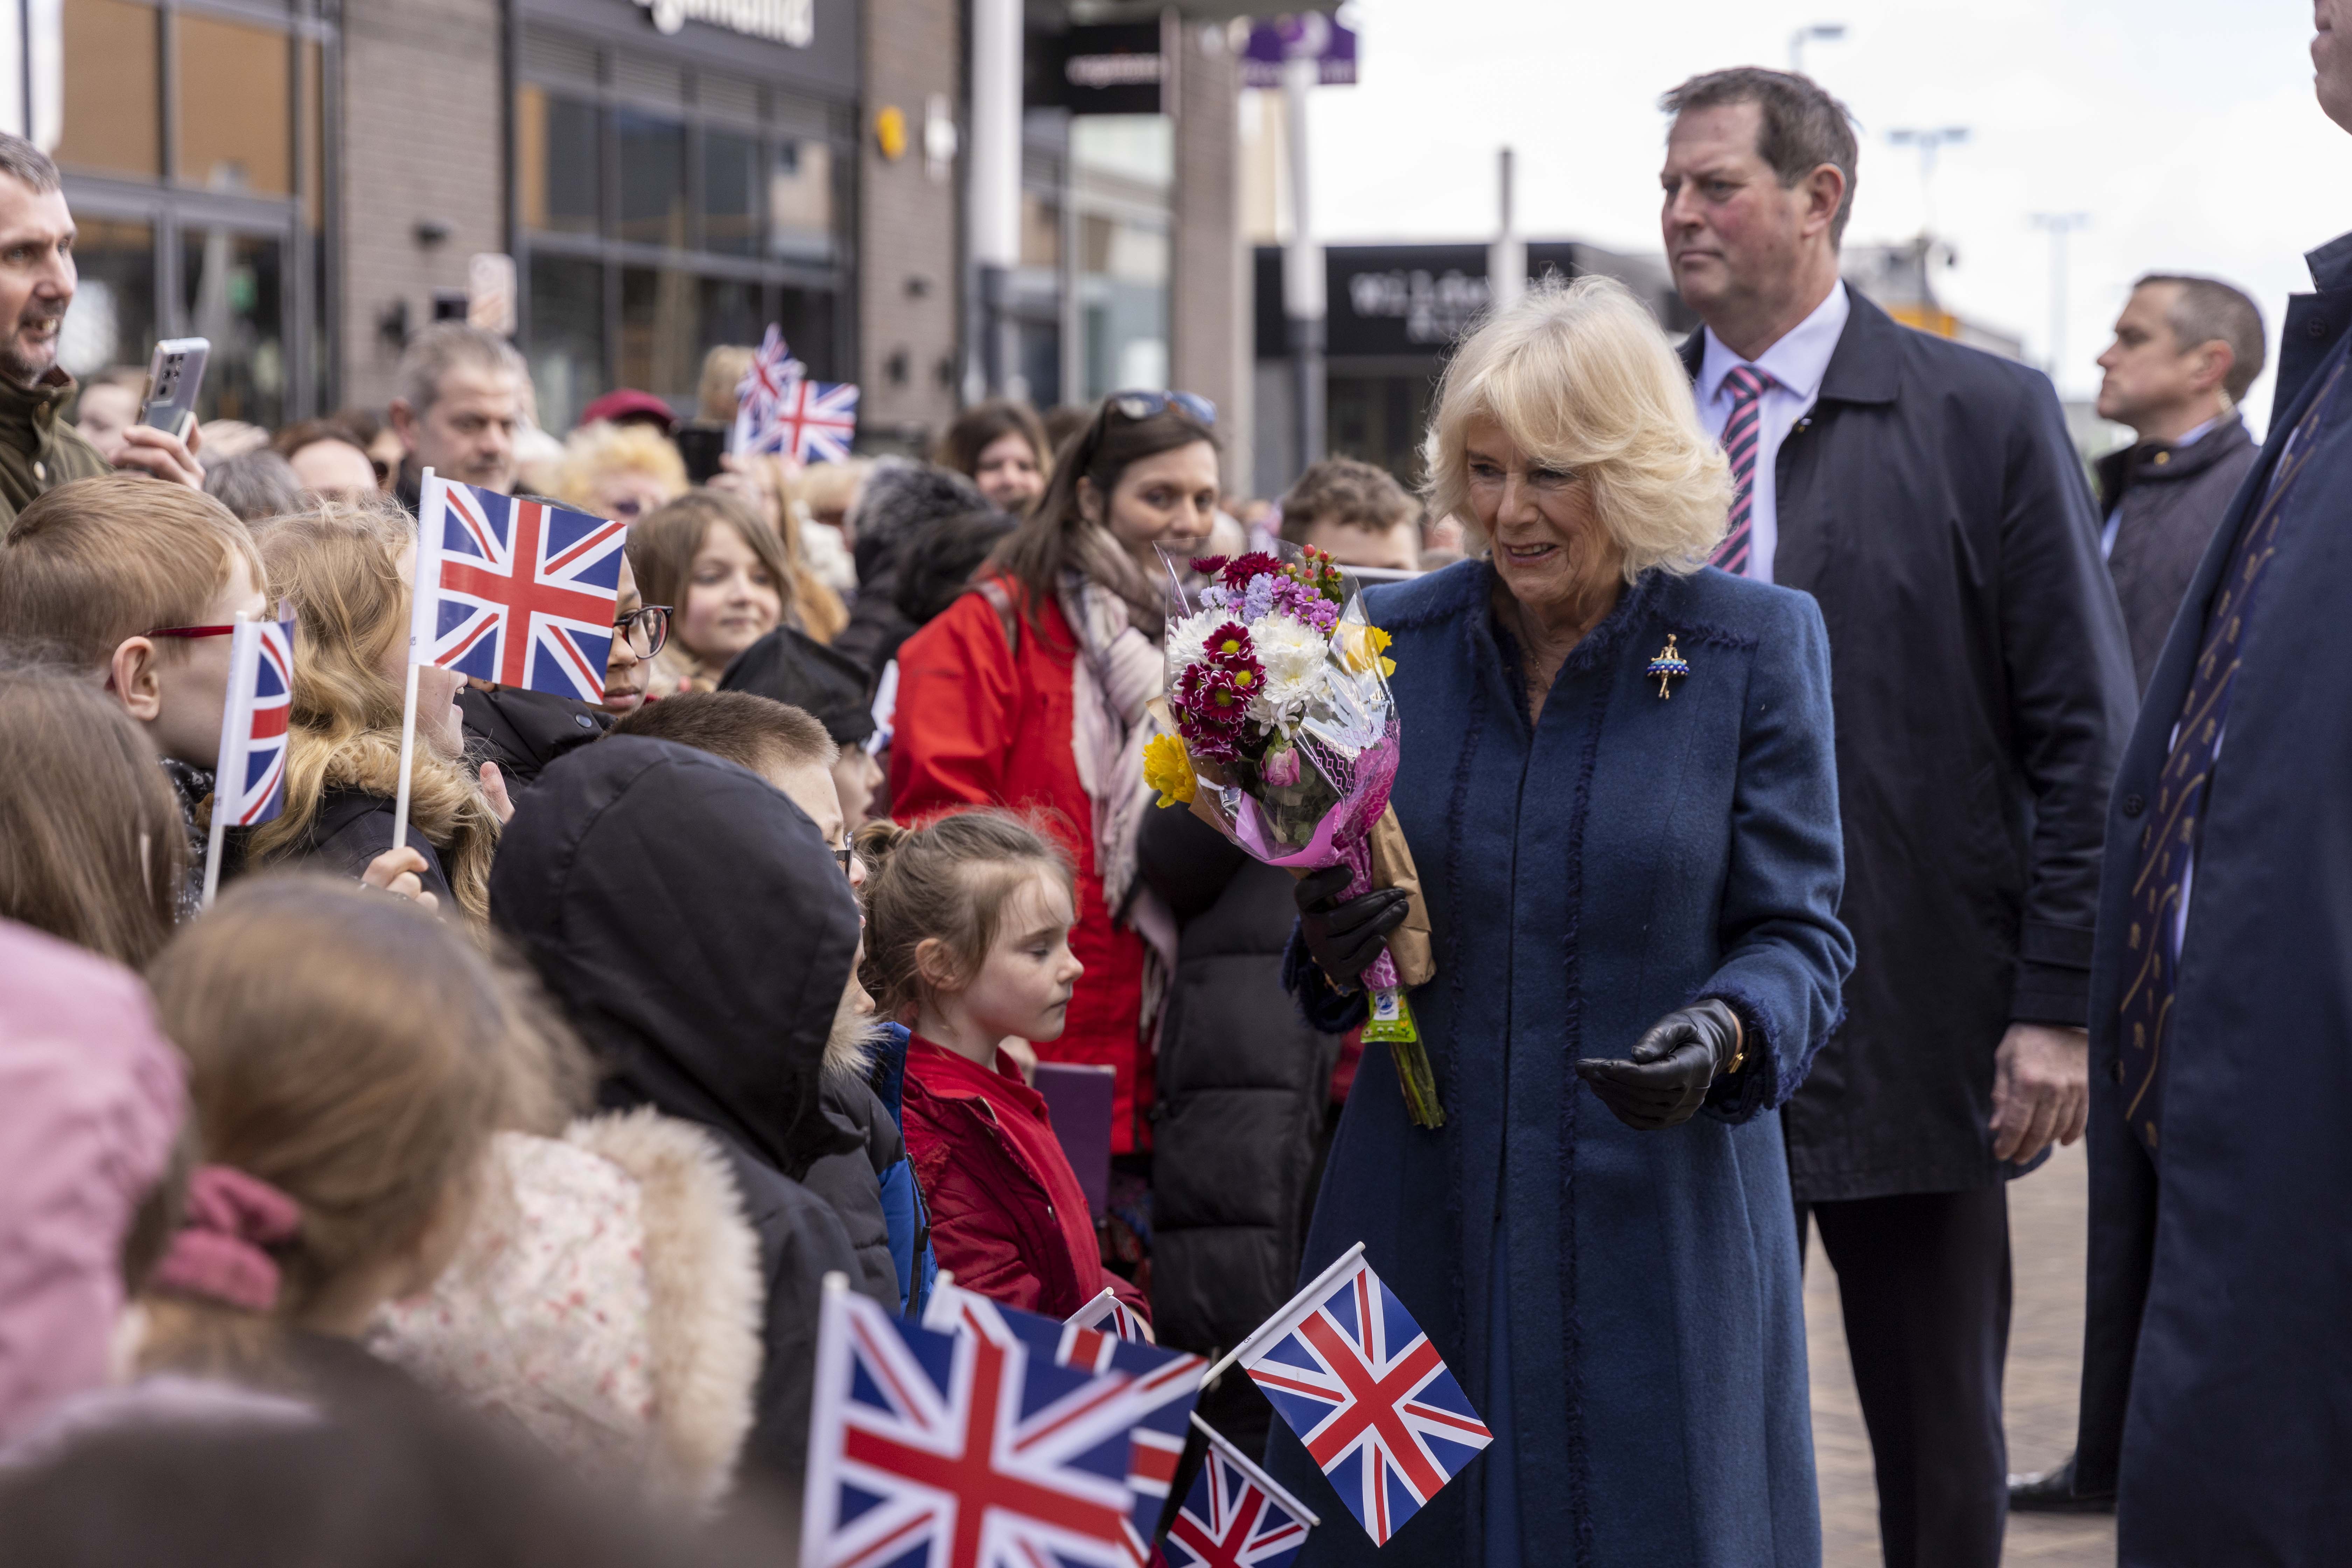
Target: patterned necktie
1747, 386
2167, 844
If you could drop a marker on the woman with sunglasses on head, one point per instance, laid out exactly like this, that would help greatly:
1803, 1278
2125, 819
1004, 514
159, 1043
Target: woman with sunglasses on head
1030, 692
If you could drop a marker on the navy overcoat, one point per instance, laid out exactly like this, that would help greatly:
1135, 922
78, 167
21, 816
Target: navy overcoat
1629, 855
2221, 1272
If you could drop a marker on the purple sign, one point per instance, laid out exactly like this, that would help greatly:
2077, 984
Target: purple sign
1307, 35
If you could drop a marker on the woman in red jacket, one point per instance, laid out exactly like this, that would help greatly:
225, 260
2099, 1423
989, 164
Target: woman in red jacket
968, 940
1031, 693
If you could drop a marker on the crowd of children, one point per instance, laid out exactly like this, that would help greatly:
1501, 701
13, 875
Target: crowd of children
550, 1118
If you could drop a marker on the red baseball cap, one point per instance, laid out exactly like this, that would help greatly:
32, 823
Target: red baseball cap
628, 405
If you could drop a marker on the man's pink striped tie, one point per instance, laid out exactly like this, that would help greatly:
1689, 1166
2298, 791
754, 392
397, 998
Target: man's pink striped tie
1748, 386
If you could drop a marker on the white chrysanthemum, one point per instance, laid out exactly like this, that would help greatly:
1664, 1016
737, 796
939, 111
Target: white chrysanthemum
1293, 653
1188, 641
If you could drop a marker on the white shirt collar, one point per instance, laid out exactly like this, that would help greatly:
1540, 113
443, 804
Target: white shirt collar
2191, 437
1798, 361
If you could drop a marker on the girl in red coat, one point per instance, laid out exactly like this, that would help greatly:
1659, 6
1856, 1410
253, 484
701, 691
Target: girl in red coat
1031, 692
968, 940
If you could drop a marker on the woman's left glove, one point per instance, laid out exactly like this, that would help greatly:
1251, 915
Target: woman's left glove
1666, 1078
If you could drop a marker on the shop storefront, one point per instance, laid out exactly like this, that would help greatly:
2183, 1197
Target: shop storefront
196, 159
684, 174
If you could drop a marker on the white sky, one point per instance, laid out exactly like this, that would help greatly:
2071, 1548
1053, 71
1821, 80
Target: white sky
2186, 128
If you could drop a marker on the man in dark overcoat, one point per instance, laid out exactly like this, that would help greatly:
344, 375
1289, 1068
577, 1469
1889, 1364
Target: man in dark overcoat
1929, 498
2222, 1007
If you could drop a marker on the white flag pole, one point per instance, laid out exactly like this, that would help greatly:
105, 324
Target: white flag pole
236, 719
1279, 1324
431, 502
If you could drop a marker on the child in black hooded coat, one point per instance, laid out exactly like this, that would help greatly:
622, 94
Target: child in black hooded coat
699, 935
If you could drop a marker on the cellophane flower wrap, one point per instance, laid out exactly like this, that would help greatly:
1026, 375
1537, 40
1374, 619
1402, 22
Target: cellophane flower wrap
1278, 682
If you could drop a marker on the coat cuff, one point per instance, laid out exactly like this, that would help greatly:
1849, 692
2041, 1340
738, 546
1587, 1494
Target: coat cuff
1325, 1008
2053, 977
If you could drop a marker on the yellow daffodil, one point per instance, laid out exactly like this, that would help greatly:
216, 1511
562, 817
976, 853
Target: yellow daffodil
1168, 768
1362, 646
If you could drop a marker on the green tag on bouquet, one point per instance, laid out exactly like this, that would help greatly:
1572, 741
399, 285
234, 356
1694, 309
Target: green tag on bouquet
1392, 1017
1391, 1024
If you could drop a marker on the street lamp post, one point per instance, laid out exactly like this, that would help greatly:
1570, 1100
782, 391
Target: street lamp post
1827, 32
1929, 141
2058, 226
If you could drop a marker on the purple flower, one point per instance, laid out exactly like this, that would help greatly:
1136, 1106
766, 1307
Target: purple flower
1258, 598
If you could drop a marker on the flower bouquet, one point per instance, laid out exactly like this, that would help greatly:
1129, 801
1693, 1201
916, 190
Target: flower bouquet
1277, 683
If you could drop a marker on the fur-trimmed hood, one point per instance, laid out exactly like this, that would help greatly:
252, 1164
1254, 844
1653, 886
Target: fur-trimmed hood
607, 1301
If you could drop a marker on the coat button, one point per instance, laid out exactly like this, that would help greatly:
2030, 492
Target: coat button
584, 721
2115, 1069
2134, 805
2162, 458
2316, 328
41, 473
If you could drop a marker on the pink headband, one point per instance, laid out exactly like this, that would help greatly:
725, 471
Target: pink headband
218, 1254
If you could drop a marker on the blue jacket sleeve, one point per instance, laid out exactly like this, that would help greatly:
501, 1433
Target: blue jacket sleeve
1785, 954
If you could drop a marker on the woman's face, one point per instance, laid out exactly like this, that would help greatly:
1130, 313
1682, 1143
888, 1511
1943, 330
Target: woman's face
1007, 473
732, 599
624, 679
1550, 550
1169, 498
439, 720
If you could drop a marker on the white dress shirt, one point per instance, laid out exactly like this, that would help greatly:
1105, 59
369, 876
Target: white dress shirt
1796, 364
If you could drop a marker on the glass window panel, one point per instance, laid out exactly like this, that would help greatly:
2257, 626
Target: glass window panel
1123, 288
233, 290
1041, 362
660, 338
731, 314
112, 318
652, 150
730, 192
234, 91
313, 129
1041, 229
801, 201
111, 97
555, 161
566, 337
806, 317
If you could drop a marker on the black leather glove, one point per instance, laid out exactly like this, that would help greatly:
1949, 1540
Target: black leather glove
1344, 935
1666, 1081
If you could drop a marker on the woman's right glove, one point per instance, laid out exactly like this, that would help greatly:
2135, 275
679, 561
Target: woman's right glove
1666, 1078
1344, 935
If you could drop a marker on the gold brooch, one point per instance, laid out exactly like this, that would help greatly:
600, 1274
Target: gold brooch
1670, 665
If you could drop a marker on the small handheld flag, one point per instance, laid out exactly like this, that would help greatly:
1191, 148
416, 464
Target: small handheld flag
516, 592
779, 409
1112, 1316
249, 779
1166, 1385
1351, 1373
958, 1451
1234, 1516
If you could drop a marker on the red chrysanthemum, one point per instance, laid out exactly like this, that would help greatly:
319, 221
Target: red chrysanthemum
1239, 571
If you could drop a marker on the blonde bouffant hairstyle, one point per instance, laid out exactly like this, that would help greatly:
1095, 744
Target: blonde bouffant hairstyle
1579, 377
340, 566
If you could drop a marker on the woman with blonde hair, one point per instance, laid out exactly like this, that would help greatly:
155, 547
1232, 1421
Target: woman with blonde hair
619, 471
347, 569
1618, 787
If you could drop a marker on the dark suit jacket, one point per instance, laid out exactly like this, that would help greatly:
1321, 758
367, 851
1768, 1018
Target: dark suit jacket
2171, 498
2218, 1280
1933, 506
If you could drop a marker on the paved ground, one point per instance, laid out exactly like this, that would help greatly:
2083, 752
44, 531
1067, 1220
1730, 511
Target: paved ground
2045, 1347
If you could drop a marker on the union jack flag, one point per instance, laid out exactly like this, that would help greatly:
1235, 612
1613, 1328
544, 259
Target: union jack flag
1108, 1313
959, 1451
1234, 1516
1166, 1384
815, 421
249, 781
771, 366
514, 591
1353, 1373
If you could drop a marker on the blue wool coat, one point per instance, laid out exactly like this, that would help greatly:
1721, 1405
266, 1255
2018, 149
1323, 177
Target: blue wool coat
1627, 856
2217, 1394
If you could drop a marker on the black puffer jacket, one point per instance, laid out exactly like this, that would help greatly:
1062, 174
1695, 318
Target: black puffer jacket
1243, 1084
522, 731
691, 922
